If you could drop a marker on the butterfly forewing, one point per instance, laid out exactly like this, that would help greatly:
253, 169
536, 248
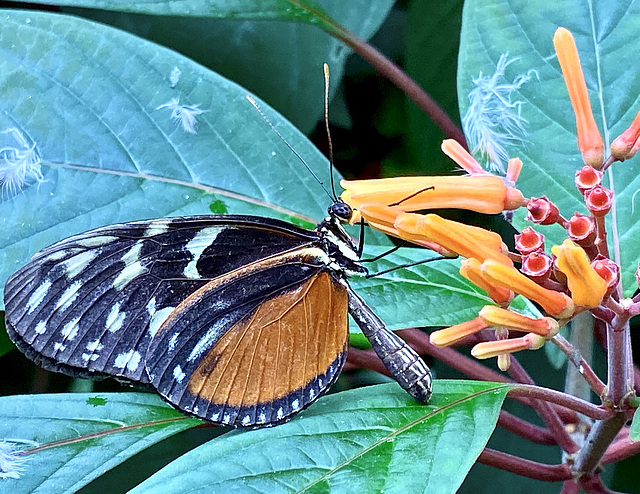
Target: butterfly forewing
89, 305
262, 358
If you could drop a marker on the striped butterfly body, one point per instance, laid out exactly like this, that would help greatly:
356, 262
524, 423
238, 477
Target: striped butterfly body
239, 320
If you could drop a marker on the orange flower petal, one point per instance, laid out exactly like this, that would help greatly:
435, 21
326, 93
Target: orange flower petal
454, 150
471, 270
622, 145
485, 194
467, 241
497, 316
555, 303
589, 139
453, 334
488, 349
586, 286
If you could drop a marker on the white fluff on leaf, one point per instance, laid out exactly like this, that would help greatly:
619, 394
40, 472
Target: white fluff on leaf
11, 464
493, 119
183, 115
18, 164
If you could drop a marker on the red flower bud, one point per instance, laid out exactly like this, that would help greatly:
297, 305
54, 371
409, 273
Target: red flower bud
542, 211
587, 178
623, 144
582, 229
598, 200
529, 241
537, 266
608, 270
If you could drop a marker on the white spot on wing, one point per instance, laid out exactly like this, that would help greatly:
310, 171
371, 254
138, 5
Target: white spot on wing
128, 273
215, 416
130, 360
158, 318
196, 246
156, 228
115, 319
38, 296
133, 254
69, 295
70, 330
295, 404
58, 346
172, 341
74, 265
90, 356
246, 420
95, 345
178, 373
280, 413
41, 327
203, 345
96, 241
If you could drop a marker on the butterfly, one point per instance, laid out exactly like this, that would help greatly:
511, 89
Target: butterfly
239, 320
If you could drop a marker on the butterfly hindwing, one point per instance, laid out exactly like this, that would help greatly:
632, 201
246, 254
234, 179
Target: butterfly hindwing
257, 361
89, 305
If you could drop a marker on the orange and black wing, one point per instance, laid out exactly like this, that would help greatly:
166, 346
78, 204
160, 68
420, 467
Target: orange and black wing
254, 346
89, 305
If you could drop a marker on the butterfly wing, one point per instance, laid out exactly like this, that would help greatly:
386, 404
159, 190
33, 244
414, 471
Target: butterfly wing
89, 305
267, 355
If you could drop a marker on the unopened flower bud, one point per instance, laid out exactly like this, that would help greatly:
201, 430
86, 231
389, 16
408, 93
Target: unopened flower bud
586, 286
542, 211
608, 270
554, 303
454, 150
514, 167
497, 316
598, 200
488, 349
587, 178
453, 334
529, 241
623, 144
471, 270
581, 229
537, 266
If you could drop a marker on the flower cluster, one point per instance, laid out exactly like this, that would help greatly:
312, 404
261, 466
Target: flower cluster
573, 277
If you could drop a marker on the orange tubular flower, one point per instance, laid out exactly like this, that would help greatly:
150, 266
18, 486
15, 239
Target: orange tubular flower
471, 270
453, 334
586, 286
485, 194
382, 218
467, 241
488, 349
454, 150
496, 316
623, 144
555, 303
589, 139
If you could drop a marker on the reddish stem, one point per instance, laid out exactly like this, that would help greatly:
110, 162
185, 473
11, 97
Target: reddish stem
526, 468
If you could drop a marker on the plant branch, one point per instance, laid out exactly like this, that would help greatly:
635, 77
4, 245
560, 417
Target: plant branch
524, 429
566, 400
601, 435
621, 448
396, 75
526, 468
583, 368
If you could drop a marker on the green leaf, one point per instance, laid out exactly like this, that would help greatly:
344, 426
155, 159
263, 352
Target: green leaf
634, 431
429, 294
371, 439
70, 439
279, 60
605, 33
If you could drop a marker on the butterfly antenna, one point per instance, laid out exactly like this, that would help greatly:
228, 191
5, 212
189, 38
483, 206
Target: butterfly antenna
326, 125
291, 148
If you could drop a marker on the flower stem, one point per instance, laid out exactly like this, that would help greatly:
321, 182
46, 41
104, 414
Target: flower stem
583, 368
601, 435
521, 466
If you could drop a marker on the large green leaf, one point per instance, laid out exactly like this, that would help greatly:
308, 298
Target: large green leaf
605, 33
373, 439
74, 438
279, 60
